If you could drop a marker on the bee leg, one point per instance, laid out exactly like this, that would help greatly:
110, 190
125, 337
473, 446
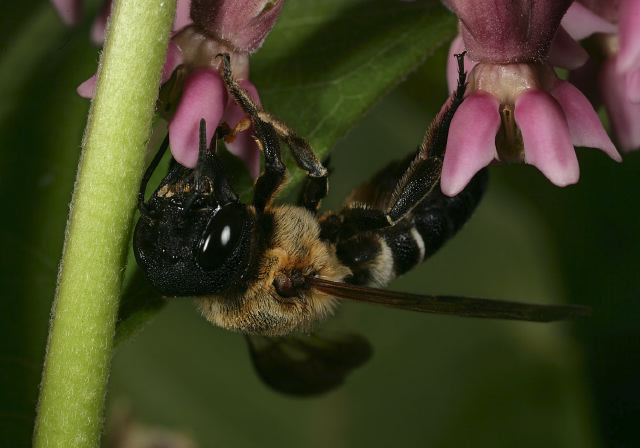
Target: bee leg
314, 189
272, 179
267, 138
317, 184
264, 124
422, 175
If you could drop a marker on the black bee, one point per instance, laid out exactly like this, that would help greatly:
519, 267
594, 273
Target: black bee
274, 271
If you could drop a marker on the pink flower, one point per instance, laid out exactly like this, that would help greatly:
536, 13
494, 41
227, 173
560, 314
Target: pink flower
234, 27
516, 109
615, 74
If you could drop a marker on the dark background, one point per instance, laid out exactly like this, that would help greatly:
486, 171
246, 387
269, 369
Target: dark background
433, 381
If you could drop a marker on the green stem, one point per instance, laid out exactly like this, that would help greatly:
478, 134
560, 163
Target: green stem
84, 313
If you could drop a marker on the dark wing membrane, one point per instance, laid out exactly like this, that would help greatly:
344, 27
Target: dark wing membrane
458, 306
307, 364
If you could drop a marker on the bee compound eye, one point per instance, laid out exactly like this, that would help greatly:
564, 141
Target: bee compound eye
221, 237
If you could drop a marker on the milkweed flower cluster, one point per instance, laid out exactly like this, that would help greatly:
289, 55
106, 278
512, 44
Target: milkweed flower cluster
612, 76
191, 77
516, 108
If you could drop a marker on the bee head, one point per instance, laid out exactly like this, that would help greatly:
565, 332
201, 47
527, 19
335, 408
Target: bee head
194, 237
278, 299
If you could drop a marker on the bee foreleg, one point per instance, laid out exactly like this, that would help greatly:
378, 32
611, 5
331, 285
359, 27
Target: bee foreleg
266, 137
267, 130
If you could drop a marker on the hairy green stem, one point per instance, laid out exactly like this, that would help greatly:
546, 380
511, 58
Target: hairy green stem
70, 410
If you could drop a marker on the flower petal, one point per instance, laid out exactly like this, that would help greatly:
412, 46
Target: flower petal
173, 60
204, 96
629, 34
70, 11
243, 145
633, 85
471, 144
581, 22
88, 88
183, 15
584, 125
99, 26
547, 144
624, 114
565, 52
585, 79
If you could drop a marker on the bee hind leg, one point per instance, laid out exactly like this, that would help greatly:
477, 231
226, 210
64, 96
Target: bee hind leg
422, 176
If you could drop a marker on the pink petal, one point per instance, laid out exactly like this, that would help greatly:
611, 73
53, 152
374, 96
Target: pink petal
88, 88
633, 85
70, 11
173, 60
566, 52
584, 125
623, 114
547, 144
581, 22
100, 23
471, 143
183, 15
204, 96
243, 146
629, 34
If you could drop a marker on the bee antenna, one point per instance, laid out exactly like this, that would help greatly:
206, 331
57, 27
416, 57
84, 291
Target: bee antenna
203, 136
202, 154
142, 206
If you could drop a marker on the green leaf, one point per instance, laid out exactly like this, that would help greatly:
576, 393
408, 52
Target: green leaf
326, 63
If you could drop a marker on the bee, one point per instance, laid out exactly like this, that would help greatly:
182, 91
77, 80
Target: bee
272, 272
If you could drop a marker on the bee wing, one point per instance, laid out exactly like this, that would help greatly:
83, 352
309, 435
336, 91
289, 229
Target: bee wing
307, 364
458, 306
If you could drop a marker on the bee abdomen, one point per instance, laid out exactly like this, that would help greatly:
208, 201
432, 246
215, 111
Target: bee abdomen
406, 246
376, 258
438, 218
